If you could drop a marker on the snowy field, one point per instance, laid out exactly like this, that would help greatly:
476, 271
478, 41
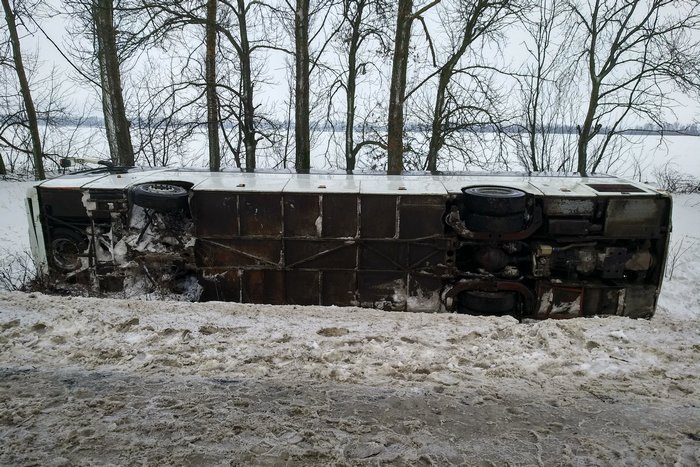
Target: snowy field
102, 381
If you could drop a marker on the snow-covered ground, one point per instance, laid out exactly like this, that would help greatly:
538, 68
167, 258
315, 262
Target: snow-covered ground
102, 381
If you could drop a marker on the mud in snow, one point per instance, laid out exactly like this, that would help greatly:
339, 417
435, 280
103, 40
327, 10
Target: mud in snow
90, 381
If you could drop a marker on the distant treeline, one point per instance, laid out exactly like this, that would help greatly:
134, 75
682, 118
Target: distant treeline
647, 129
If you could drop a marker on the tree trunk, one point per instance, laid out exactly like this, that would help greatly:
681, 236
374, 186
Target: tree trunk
351, 89
532, 129
586, 132
116, 123
249, 140
210, 78
437, 133
301, 99
350, 120
534, 167
397, 91
26, 94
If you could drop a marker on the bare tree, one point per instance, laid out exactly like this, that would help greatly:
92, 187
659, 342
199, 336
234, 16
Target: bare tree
62, 129
116, 122
546, 91
241, 119
10, 110
304, 64
32, 122
245, 51
97, 50
164, 125
253, 33
360, 30
397, 91
456, 111
210, 77
635, 53
301, 91
360, 47
307, 22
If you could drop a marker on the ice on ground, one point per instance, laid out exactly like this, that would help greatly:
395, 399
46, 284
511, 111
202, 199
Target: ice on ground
339, 373
345, 344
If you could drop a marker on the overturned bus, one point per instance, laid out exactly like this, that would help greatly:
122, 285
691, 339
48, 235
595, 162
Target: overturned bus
527, 246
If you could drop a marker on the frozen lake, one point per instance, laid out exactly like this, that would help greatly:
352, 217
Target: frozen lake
641, 156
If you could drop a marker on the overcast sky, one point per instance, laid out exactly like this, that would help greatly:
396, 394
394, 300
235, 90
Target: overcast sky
272, 94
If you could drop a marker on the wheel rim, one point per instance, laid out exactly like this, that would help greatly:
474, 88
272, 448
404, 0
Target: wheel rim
162, 188
495, 191
66, 254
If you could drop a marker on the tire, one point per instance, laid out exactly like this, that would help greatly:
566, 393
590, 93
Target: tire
492, 224
159, 196
494, 200
487, 303
66, 247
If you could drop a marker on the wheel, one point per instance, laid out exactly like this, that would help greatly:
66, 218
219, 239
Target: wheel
66, 247
494, 200
503, 224
159, 196
486, 303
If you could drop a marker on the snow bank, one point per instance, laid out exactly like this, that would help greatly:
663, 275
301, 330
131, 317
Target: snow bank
113, 381
680, 293
348, 344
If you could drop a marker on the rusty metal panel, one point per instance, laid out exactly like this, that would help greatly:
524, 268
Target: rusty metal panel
384, 255
634, 217
303, 287
62, 202
640, 301
427, 254
220, 285
398, 256
339, 288
421, 216
378, 216
422, 200
603, 300
559, 302
569, 226
260, 214
302, 215
263, 286
340, 216
235, 253
570, 207
383, 290
314, 254
215, 214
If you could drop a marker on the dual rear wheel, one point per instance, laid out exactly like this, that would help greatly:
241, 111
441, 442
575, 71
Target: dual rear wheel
477, 302
494, 209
